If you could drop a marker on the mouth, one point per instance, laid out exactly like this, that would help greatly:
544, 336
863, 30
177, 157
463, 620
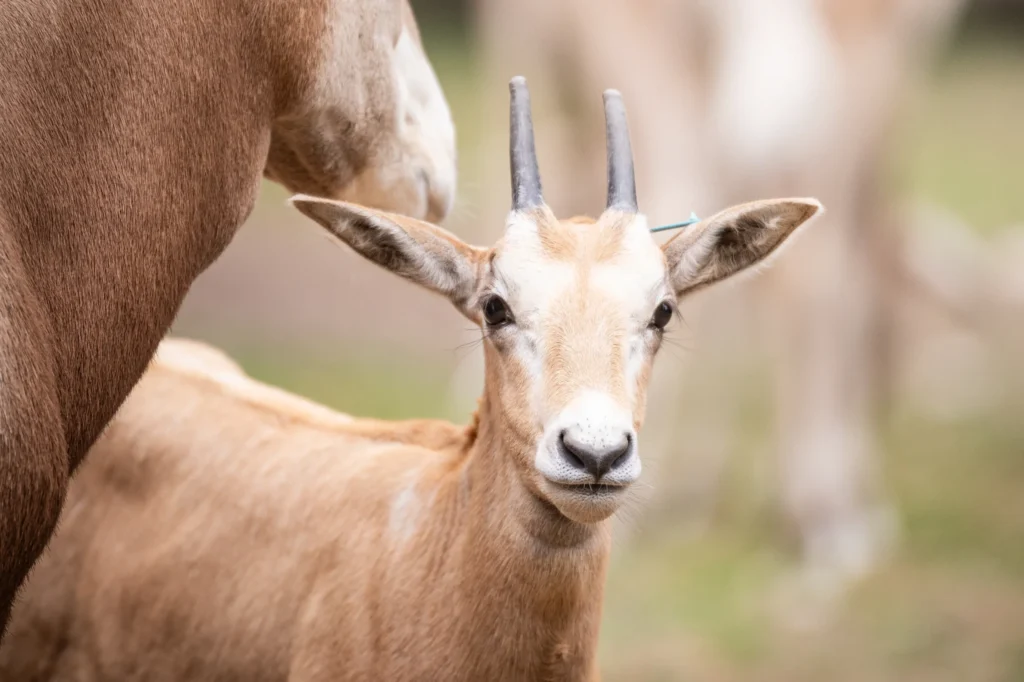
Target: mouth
585, 502
590, 489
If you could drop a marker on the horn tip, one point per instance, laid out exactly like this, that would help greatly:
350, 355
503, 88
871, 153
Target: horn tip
517, 82
612, 93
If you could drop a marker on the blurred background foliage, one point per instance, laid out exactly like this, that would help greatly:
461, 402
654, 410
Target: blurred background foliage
702, 602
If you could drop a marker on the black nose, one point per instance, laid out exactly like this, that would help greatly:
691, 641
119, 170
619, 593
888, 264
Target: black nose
596, 462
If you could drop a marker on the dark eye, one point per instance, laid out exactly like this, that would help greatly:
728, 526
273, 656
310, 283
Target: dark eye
662, 315
496, 312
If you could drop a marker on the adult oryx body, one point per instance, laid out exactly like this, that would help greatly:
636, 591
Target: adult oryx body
133, 136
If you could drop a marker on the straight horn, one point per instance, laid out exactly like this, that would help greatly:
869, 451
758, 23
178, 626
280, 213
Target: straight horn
526, 191
621, 178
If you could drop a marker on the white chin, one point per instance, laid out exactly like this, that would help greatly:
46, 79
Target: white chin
584, 504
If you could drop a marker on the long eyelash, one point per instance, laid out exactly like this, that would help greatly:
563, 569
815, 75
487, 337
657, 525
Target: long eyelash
682, 320
668, 338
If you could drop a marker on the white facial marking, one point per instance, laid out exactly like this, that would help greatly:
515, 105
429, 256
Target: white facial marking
637, 236
636, 279
529, 282
636, 276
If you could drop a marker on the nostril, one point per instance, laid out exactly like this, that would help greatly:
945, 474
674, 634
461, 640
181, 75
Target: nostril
568, 453
622, 454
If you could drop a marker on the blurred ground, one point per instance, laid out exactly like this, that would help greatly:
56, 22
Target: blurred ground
702, 604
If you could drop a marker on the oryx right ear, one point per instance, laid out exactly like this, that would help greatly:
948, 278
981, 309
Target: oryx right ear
416, 250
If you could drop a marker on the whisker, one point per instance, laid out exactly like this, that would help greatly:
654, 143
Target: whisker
682, 321
464, 350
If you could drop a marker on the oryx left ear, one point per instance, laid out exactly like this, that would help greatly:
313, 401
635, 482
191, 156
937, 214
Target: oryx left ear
733, 240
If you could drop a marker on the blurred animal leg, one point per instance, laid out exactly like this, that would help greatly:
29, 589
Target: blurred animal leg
827, 421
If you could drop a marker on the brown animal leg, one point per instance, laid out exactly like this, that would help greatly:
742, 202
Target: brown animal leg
33, 453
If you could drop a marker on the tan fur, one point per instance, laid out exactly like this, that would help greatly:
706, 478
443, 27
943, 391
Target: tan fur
223, 529
235, 544
223, 375
562, 242
595, 359
134, 134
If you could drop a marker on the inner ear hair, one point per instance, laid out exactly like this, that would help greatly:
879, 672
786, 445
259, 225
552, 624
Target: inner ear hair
734, 240
414, 249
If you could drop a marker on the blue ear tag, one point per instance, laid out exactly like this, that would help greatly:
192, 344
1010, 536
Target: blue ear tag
672, 226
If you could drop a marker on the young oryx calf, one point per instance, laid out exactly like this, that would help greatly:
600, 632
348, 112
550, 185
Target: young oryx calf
225, 530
